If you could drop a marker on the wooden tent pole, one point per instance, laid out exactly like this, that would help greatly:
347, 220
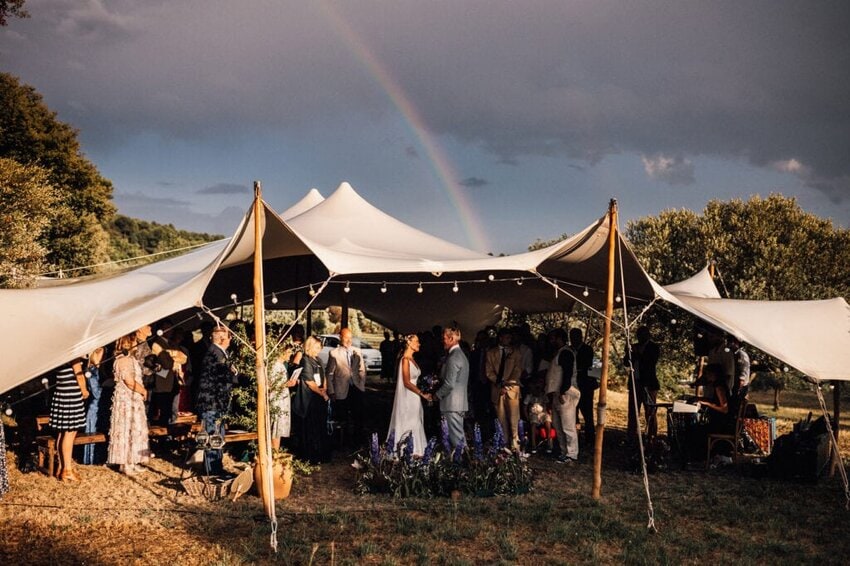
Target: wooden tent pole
606, 348
263, 436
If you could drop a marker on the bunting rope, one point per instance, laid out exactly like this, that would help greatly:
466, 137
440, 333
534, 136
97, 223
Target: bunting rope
298, 318
576, 299
834, 443
62, 271
649, 509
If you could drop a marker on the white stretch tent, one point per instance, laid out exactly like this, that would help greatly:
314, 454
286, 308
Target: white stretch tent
811, 336
344, 238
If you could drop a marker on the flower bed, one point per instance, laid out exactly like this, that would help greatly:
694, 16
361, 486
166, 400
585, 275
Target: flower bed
480, 470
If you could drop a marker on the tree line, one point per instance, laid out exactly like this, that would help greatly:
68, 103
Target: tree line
56, 207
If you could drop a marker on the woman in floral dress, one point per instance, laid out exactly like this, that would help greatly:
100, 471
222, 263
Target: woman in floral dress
128, 434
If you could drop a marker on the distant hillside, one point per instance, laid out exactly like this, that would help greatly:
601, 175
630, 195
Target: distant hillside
131, 237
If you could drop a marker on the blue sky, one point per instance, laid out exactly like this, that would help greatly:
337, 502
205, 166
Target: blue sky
540, 112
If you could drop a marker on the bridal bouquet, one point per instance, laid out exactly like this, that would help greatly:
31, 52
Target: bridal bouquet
428, 383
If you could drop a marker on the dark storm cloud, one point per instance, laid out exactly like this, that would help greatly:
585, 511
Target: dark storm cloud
474, 182
224, 189
763, 82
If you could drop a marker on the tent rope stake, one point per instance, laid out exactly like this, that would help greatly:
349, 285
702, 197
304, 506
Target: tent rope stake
834, 443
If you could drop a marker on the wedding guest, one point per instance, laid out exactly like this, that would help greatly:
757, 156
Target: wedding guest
715, 396
388, 355
504, 370
93, 411
216, 383
563, 393
128, 431
296, 347
719, 353
280, 404
583, 355
183, 373
346, 385
538, 414
311, 404
171, 360
197, 351
68, 414
141, 352
643, 359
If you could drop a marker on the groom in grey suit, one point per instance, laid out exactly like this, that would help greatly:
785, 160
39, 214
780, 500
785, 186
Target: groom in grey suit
452, 393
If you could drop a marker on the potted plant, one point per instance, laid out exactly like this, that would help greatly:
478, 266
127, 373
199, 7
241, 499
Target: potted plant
282, 474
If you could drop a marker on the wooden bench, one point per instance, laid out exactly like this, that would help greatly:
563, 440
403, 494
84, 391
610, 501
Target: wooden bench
47, 453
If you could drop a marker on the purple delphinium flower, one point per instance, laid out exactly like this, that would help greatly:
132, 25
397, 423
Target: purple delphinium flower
498, 438
429, 451
390, 447
444, 433
408, 449
375, 450
458, 453
477, 443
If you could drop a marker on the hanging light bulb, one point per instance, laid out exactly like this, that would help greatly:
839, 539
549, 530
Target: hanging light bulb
384, 287
673, 321
8, 411
491, 277
44, 382
159, 332
233, 297
274, 299
455, 288
585, 293
312, 291
347, 287
419, 289
618, 298
519, 281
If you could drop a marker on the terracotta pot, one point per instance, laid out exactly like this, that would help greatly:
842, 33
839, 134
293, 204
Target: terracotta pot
281, 476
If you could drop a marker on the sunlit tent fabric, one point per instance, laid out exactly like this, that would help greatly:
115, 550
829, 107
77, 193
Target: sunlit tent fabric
342, 236
811, 336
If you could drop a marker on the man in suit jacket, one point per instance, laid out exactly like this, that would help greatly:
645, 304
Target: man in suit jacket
216, 383
346, 375
504, 368
452, 393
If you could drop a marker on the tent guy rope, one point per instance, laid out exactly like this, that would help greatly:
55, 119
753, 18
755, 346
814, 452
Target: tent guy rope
634, 403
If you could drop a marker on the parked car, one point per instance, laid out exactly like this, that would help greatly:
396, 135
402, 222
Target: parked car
371, 355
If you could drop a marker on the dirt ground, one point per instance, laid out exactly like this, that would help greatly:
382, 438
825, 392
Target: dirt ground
109, 518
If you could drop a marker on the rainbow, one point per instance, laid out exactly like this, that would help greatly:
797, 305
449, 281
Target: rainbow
442, 167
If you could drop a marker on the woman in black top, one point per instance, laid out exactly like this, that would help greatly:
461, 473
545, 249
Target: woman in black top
715, 397
311, 405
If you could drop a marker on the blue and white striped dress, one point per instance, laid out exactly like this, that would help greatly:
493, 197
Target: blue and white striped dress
67, 411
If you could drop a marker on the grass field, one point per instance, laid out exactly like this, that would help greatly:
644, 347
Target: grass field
702, 517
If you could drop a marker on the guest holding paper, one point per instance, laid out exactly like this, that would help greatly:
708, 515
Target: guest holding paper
279, 396
311, 404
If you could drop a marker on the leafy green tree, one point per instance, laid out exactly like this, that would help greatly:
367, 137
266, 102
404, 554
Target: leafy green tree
11, 8
31, 134
763, 248
130, 237
26, 209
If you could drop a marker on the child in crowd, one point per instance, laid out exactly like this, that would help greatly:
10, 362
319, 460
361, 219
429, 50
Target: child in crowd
538, 414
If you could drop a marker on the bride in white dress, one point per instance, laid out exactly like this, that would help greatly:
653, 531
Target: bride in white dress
407, 406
